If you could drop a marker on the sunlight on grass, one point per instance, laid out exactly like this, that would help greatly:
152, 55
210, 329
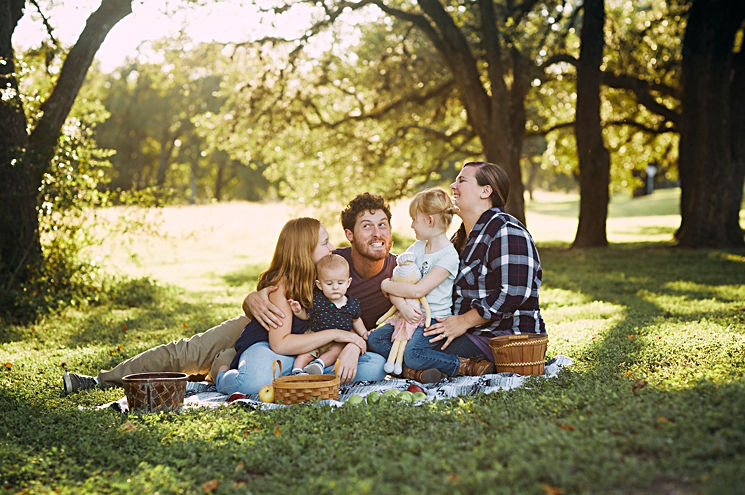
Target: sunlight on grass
651, 404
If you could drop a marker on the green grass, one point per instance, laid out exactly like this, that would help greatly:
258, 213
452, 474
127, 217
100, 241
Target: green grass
654, 402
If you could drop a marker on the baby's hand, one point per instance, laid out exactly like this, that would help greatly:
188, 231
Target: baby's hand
295, 307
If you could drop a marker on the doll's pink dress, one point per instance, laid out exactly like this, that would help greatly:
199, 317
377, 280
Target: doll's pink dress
402, 329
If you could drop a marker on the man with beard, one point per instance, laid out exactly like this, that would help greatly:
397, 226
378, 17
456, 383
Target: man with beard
366, 222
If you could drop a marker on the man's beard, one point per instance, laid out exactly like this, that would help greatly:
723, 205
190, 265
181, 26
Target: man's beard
371, 253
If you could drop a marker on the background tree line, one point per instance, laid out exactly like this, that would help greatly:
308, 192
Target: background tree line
393, 94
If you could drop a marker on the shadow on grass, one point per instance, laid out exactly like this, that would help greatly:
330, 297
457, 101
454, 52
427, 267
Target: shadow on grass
140, 314
128, 454
674, 400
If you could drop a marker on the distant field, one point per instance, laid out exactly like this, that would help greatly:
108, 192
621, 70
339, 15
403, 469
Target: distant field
194, 243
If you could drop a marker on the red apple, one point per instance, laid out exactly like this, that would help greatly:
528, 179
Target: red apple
236, 396
414, 388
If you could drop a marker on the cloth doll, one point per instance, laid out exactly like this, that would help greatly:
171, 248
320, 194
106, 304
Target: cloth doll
405, 271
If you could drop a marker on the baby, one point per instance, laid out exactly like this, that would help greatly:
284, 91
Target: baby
331, 309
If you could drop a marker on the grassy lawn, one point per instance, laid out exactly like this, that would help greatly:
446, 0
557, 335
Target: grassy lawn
654, 403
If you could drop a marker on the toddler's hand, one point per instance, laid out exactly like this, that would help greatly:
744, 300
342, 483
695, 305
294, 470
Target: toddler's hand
294, 306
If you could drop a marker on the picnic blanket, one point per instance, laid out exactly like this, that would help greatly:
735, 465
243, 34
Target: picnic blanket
204, 394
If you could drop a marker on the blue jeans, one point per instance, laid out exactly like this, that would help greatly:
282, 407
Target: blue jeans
379, 341
255, 369
420, 354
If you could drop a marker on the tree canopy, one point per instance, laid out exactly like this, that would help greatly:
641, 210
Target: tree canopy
389, 96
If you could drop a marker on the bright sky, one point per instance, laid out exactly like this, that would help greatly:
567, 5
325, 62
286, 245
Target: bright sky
230, 20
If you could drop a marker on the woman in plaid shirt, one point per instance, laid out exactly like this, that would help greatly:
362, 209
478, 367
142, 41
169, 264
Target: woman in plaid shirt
496, 289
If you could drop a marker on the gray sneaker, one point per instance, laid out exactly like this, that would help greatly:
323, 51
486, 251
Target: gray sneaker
315, 367
75, 382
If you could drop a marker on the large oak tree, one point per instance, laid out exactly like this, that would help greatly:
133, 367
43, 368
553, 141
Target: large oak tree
491, 53
28, 146
594, 160
712, 130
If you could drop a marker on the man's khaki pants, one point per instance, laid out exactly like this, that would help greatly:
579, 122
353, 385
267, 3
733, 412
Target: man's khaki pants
201, 354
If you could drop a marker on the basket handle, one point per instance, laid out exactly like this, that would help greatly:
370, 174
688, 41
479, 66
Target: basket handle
274, 368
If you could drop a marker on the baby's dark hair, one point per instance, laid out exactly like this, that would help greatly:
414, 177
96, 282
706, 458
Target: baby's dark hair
363, 202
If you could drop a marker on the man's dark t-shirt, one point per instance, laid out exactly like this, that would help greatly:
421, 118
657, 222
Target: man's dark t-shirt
374, 304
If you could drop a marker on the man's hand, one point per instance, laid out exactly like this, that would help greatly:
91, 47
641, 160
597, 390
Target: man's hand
346, 365
257, 305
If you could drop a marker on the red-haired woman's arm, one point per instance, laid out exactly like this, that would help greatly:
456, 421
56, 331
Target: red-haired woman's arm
283, 341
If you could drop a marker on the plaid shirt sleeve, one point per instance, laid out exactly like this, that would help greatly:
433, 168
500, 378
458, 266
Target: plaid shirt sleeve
500, 276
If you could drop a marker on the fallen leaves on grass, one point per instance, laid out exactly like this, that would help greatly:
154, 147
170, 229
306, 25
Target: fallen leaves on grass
210, 486
551, 490
124, 327
638, 385
277, 431
7, 365
128, 427
567, 427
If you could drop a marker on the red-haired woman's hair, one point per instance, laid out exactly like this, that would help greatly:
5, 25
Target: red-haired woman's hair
292, 262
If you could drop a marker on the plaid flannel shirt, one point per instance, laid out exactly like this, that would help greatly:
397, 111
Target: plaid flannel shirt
500, 274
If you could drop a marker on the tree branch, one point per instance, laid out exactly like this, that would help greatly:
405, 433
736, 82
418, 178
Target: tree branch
48, 26
555, 127
55, 109
661, 129
413, 97
642, 90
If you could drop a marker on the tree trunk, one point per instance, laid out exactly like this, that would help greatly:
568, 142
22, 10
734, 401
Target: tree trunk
19, 240
498, 149
25, 158
737, 138
710, 150
219, 179
497, 115
167, 143
594, 160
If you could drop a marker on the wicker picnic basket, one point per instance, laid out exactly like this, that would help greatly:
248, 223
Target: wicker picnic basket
524, 354
148, 392
302, 388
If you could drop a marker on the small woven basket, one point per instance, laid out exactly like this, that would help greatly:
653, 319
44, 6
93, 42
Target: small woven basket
148, 392
524, 354
302, 388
